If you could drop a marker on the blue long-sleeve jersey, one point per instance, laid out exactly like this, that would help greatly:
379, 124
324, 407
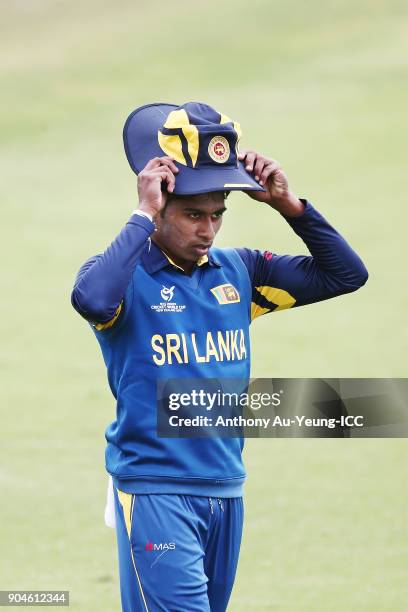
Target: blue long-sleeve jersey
155, 322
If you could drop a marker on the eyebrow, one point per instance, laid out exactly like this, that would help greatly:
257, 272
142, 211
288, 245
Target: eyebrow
200, 210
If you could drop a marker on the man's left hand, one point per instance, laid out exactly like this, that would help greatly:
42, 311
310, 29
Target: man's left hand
269, 174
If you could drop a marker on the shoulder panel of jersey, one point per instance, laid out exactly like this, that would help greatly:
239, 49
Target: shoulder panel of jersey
266, 296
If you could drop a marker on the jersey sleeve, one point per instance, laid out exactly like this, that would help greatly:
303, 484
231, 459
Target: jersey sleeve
104, 280
286, 281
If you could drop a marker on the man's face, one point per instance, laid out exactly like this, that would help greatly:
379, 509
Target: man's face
188, 225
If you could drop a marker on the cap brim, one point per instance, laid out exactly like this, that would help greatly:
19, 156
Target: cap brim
141, 145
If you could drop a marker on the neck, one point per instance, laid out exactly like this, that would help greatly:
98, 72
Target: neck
186, 265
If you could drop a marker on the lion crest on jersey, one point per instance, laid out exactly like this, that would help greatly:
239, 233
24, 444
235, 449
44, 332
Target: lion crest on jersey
226, 294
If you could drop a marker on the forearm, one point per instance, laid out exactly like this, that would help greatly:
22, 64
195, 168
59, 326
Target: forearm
288, 206
286, 281
333, 258
101, 282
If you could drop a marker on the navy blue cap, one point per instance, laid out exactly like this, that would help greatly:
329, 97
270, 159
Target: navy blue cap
202, 142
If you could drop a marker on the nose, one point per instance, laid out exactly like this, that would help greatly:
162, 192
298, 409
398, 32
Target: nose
205, 230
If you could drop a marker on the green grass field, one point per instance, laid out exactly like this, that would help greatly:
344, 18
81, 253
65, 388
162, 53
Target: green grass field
320, 86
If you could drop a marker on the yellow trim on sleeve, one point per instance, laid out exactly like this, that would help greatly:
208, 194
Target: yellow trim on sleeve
257, 311
102, 326
280, 297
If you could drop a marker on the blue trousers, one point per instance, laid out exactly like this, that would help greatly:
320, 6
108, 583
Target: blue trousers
177, 553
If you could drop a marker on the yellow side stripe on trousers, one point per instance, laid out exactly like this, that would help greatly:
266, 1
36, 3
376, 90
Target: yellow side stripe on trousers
127, 501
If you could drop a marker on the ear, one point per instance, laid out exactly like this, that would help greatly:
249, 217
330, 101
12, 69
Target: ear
158, 221
163, 211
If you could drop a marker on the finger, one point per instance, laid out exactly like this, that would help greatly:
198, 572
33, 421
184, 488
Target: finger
159, 175
242, 154
152, 163
260, 163
166, 175
249, 160
168, 161
156, 162
268, 171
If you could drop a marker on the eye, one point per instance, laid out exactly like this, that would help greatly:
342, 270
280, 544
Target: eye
194, 215
218, 214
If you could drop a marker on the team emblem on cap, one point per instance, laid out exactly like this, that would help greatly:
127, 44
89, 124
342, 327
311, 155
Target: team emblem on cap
219, 149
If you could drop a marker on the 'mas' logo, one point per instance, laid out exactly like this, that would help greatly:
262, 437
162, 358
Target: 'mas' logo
167, 293
162, 546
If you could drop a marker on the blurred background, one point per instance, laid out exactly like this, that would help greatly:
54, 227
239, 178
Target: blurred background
322, 87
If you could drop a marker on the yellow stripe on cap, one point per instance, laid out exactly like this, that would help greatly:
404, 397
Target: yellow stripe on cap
237, 128
176, 119
225, 119
171, 145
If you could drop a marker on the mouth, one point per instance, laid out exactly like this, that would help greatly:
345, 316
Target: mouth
202, 249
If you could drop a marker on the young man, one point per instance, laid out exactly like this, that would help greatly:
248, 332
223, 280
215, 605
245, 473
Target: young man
164, 304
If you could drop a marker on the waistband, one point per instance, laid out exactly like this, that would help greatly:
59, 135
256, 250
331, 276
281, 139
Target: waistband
149, 485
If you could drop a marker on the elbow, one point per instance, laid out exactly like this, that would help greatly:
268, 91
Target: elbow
361, 274
358, 277
90, 307
80, 303
89, 297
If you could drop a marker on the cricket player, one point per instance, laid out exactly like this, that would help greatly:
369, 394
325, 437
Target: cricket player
164, 303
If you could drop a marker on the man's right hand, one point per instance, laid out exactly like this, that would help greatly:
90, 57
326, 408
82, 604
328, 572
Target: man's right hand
157, 171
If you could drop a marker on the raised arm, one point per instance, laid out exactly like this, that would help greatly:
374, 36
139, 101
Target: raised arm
284, 281
102, 281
